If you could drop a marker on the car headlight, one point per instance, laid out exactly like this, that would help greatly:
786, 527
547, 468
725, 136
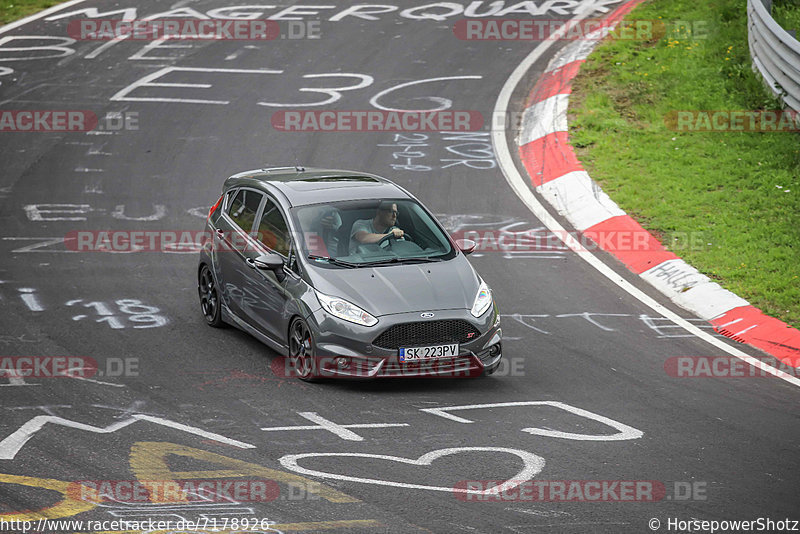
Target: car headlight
482, 300
345, 310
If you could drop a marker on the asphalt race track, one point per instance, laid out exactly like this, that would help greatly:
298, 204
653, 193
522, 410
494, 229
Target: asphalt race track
585, 394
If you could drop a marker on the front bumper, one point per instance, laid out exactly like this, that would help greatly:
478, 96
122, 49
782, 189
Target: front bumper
345, 350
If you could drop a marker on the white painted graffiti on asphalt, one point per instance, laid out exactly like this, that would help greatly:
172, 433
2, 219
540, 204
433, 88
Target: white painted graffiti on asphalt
130, 310
661, 326
532, 465
11, 445
342, 431
117, 314
624, 432
510, 237
333, 93
472, 150
36, 47
435, 11
80, 212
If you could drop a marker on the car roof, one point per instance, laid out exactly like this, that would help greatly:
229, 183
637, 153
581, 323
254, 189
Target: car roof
302, 186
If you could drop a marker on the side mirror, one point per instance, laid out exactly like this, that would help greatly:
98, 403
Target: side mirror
467, 246
273, 262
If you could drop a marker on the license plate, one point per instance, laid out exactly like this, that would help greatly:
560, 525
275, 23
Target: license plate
427, 353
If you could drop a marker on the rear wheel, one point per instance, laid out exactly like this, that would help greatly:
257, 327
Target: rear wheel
301, 350
209, 298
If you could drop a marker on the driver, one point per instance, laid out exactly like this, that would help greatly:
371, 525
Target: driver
373, 230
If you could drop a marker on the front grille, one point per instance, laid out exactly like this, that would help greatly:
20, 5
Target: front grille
426, 333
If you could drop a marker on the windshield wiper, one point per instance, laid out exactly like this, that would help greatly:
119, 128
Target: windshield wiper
416, 259
334, 261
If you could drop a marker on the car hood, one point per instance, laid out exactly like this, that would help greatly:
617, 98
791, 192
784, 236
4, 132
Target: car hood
402, 288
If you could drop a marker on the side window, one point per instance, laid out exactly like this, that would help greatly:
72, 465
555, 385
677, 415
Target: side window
244, 207
272, 229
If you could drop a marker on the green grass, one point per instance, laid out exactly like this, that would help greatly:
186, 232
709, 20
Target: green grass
719, 188
787, 14
11, 10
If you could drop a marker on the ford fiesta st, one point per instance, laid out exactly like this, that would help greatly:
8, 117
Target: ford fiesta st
348, 275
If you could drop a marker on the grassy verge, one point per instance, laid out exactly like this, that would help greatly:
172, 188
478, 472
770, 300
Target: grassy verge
787, 14
727, 202
11, 10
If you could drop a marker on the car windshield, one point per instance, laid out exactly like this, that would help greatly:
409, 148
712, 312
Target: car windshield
357, 233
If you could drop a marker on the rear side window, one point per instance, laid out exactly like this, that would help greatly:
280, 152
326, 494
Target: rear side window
272, 229
244, 207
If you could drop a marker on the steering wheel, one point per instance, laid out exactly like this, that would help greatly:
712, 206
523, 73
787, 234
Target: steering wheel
388, 239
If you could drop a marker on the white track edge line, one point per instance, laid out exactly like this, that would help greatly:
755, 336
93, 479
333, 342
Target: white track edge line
521, 189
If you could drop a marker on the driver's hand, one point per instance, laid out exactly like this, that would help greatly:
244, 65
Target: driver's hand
398, 233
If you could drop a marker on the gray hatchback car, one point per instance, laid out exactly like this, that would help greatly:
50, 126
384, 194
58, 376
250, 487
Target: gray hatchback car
345, 274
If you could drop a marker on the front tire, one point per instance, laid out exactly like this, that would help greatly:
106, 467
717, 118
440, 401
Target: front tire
301, 351
209, 298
